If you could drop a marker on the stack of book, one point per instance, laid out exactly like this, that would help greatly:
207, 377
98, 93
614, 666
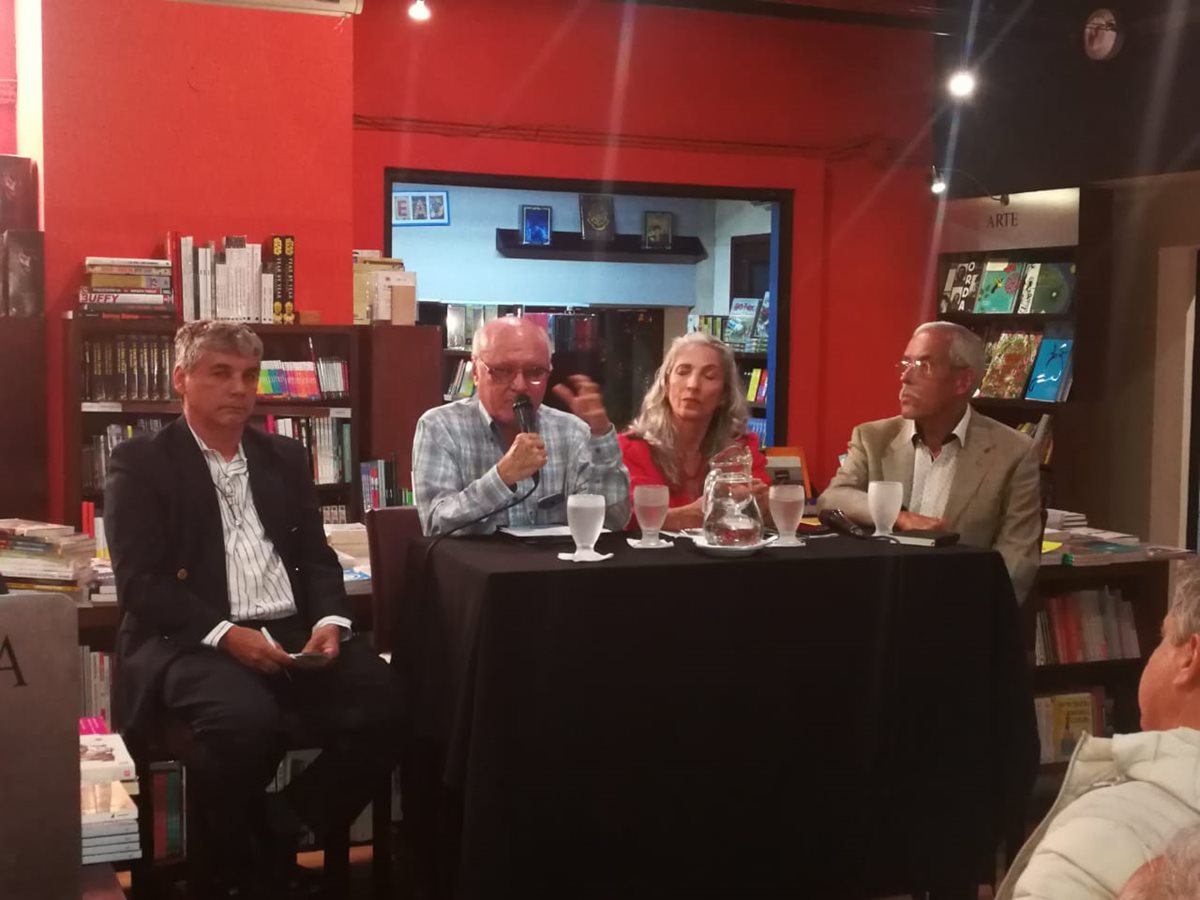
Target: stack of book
41, 556
349, 541
107, 781
1065, 519
117, 287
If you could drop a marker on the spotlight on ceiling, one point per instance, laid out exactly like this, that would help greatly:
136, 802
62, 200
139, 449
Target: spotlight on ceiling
937, 184
419, 12
961, 84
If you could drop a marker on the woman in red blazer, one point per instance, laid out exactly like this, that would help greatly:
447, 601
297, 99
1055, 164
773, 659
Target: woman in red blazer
695, 408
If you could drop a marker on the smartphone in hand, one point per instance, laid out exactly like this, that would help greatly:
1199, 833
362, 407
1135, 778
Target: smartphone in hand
310, 660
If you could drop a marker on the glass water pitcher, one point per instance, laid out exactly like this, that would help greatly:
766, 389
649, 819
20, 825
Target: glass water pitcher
731, 514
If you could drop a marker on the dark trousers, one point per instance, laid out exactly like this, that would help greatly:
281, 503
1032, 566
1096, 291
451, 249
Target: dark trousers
243, 721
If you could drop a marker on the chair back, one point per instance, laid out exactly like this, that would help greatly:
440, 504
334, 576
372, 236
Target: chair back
390, 530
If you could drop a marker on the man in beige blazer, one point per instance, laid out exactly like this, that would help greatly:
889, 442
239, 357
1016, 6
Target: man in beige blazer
961, 471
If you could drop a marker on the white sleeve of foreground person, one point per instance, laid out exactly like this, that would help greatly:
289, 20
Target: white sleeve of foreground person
1093, 846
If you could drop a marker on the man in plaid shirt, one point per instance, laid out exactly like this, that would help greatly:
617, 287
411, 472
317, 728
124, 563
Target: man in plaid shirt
471, 457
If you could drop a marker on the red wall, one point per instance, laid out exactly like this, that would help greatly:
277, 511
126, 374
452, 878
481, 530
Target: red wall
861, 234
204, 120
8, 74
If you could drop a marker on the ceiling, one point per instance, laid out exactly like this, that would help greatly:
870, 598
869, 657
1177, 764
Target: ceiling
911, 14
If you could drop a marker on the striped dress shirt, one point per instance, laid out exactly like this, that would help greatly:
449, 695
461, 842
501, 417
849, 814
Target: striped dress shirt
455, 451
259, 589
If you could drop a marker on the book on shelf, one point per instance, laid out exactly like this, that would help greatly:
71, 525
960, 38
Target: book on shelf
1050, 378
104, 758
106, 803
762, 324
1000, 286
961, 286
23, 266
1009, 365
739, 326
1063, 719
19, 193
1085, 626
1048, 288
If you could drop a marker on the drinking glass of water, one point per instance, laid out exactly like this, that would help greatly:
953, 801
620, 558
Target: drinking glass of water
650, 505
787, 509
884, 499
585, 518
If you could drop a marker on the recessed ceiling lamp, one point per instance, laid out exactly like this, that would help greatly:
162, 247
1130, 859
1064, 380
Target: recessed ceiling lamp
961, 84
937, 184
419, 12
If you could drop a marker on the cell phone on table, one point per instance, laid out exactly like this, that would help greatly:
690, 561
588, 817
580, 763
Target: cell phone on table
309, 660
842, 523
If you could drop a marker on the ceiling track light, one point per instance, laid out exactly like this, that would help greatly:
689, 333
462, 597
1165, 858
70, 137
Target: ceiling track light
418, 11
961, 84
939, 183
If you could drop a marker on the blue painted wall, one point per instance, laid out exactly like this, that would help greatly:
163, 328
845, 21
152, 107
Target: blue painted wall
458, 262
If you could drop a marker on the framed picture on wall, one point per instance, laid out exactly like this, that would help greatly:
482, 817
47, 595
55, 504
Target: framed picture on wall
420, 208
535, 226
656, 230
596, 214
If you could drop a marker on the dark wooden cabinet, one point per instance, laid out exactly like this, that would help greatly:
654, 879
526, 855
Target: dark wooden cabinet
24, 483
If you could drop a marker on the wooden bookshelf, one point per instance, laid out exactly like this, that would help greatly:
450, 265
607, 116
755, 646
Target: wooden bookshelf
84, 417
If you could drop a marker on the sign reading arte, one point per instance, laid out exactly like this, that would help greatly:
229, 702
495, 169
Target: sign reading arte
9, 663
1036, 219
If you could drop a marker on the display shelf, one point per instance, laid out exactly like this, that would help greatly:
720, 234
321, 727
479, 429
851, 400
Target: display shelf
623, 248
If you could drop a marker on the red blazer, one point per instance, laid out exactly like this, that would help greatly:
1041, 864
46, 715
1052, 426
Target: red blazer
642, 469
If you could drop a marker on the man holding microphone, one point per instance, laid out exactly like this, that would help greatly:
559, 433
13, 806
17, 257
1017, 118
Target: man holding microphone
503, 459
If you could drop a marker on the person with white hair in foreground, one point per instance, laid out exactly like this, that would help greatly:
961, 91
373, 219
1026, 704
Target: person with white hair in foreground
1125, 798
1173, 876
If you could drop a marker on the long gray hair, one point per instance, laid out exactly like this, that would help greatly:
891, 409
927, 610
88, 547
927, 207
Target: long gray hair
655, 424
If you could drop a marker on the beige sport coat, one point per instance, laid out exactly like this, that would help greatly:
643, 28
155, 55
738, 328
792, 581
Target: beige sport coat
995, 499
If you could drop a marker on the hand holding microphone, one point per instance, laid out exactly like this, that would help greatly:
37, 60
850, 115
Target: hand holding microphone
527, 454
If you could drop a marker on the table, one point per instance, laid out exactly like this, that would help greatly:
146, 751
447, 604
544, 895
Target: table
834, 721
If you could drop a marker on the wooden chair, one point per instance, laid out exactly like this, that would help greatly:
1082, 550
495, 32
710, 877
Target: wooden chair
171, 740
389, 532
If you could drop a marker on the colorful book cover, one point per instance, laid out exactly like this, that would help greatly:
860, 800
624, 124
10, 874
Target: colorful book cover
1051, 371
962, 286
1000, 286
1011, 362
1048, 288
762, 325
739, 327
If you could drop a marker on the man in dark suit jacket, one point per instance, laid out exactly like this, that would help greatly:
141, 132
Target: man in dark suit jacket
223, 572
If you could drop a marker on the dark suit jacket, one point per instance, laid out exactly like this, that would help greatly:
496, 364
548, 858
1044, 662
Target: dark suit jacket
163, 526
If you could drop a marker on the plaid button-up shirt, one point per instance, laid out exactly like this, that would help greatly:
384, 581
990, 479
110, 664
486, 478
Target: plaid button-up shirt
455, 452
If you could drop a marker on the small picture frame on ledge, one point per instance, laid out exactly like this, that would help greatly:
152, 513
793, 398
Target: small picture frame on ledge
535, 226
420, 208
596, 215
656, 230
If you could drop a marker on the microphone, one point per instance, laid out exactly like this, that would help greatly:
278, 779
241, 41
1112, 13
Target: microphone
523, 413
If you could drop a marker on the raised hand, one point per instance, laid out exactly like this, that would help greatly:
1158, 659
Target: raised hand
582, 396
526, 455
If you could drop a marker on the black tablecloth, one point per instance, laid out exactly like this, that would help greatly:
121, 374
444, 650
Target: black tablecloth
823, 722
